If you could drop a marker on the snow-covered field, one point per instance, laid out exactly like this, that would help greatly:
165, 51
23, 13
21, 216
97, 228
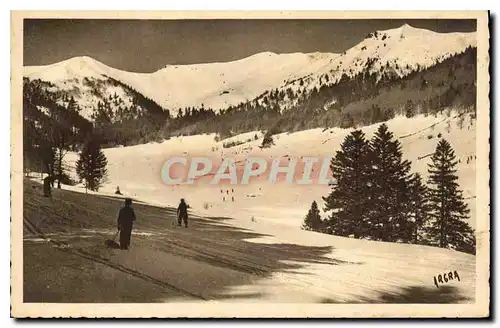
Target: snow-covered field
137, 169
351, 271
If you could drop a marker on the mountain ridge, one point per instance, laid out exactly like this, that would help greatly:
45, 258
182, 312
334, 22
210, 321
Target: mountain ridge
220, 85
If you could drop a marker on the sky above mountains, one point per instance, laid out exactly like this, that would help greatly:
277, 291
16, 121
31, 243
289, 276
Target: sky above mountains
148, 45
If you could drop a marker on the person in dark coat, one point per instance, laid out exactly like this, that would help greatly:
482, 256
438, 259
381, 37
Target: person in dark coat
47, 187
118, 192
182, 214
125, 222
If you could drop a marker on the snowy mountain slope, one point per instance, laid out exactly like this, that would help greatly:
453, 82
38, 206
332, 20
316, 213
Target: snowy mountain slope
97, 97
394, 52
215, 85
70, 69
279, 204
87, 81
220, 85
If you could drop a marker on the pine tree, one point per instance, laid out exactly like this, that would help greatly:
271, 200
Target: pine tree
349, 199
409, 109
390, 179
47, 158
376, 114
447, 207
347, 121
72, 105
419, 209
62, 137
91, 165
267, 141
313, 221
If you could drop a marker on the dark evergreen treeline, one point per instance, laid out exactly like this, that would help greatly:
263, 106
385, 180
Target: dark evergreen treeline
377, 197
52, 126
352, 101
140, 122
50, 131
91, 165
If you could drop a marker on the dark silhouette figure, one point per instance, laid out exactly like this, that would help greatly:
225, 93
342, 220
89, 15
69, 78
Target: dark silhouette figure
227, 192
125, 222
223, 199
118, 192
47, 182
232, 198
182, 214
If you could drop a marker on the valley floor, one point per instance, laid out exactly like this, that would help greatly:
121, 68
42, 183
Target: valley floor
65, 260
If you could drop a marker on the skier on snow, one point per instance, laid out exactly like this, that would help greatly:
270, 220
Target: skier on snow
182, 214
46, 186
125, 222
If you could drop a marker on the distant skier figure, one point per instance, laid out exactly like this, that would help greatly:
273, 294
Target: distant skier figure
182, 214
118, 192
125, 222
46, 187
232, 198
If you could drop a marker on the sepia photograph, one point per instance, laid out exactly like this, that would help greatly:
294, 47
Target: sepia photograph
250, 164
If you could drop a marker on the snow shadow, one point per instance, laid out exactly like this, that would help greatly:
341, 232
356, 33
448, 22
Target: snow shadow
443, 294
208, 260
416, 295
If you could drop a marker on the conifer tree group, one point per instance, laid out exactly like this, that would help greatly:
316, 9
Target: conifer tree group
447, 207
91, 165
313, 220
351, 198
377, 197
389, 177
419, 208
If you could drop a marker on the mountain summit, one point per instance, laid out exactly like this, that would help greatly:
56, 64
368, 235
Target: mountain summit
394, 52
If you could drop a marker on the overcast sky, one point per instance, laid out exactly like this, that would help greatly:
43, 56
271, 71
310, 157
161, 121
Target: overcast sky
148, 45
